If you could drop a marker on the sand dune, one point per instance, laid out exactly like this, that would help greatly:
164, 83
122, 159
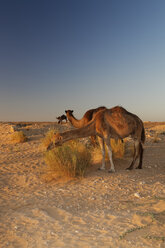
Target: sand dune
124, 209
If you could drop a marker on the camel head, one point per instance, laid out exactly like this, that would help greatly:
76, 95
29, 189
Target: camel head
57, 141
69, 112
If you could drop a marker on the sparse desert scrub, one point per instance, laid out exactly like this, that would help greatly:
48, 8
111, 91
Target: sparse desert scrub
156, 139
69, 160
48, 138
118, 149
18, 137
49, 135
129, 147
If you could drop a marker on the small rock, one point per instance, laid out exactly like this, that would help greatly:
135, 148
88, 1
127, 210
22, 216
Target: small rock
137, 195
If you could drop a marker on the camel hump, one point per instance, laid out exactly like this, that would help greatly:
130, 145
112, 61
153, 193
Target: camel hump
92, 112
88, 116
123, 122
118, 109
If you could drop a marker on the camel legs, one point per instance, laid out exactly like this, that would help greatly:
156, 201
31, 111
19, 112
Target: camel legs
112, 169
102, 146
138, 152
141, 157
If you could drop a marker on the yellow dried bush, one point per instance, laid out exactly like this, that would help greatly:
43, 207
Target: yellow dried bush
71, 159
48, 138
18, 137
118, 147
49, 135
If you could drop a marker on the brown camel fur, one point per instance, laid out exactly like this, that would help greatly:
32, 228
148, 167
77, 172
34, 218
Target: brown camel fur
84, 120
115, 123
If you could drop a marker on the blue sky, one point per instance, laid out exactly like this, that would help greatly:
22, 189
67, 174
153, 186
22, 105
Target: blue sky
81, 54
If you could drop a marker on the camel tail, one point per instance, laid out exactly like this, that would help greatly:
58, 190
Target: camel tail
143, 137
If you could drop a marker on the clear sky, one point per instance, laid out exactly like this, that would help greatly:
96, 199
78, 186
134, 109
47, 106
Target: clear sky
81, 54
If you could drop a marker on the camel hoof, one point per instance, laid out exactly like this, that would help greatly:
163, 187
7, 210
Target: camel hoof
100, 169
138, 168
129, 168
111, 171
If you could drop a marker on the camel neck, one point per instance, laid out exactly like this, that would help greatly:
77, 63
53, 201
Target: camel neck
79, 133
76, 123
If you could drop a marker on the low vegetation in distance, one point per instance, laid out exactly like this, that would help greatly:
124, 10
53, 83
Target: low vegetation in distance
18, 137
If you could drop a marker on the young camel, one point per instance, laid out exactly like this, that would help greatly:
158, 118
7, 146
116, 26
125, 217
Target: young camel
115, 123
84, 120
61, 118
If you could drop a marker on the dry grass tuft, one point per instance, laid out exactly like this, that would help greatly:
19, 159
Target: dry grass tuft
48, 138
156, 139
18, 137
118, 148
129, 147
69, 160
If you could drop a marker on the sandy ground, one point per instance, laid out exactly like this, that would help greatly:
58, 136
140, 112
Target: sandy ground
124, 209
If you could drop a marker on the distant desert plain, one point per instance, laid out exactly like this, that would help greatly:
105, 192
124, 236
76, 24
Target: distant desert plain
125, 209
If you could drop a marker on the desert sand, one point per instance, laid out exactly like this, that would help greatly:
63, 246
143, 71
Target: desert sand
119, 210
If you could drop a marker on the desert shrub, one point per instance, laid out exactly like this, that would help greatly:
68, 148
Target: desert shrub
49, 135
118, 150
156, 139
48, 138
129, 148
70, 160
118, 147
18, 137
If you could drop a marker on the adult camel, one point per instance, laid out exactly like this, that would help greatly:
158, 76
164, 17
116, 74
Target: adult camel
115, 123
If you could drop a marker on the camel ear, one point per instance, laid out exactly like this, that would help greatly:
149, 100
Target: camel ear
66, 111
71, 111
